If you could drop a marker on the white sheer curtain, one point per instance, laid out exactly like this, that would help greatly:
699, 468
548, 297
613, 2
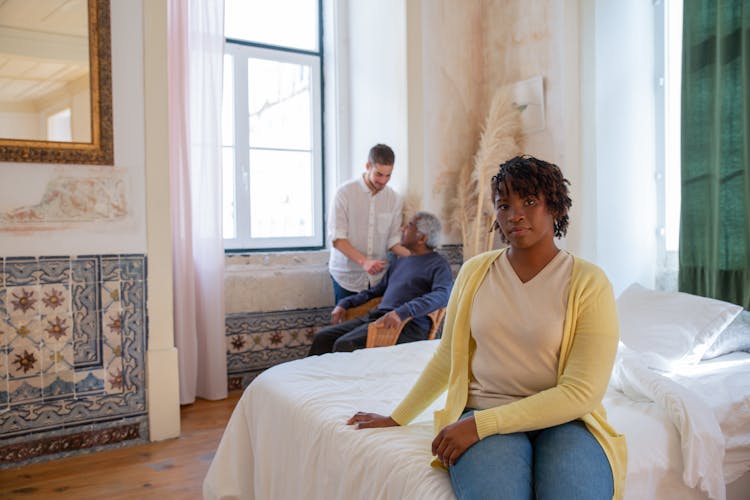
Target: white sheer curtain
195, 80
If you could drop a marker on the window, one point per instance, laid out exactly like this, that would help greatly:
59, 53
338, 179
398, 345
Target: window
272, 125
668, 59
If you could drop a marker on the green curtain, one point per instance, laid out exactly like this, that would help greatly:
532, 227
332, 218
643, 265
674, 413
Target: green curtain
715, 211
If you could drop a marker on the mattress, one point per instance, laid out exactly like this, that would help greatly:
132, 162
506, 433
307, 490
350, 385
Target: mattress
288, 438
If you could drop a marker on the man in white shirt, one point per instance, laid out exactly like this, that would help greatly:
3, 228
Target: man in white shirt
364, 224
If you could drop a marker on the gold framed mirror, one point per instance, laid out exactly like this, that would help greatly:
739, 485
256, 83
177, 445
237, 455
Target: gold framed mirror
47, 104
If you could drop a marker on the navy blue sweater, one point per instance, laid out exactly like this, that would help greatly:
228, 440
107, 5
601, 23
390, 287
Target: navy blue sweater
414, 286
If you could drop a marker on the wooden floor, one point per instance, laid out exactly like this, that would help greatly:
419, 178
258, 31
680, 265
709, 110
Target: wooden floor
172, 469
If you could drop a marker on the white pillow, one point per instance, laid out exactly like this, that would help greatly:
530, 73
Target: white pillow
677, 327
735, 337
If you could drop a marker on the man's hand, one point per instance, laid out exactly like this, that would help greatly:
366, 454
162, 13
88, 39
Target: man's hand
373, 266
370, 420
453, 440
337, 315
388, 320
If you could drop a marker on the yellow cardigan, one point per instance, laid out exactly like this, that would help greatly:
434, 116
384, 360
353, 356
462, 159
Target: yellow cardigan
587, 353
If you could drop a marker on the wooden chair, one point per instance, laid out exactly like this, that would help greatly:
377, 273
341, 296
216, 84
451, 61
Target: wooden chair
380, 336
362, 309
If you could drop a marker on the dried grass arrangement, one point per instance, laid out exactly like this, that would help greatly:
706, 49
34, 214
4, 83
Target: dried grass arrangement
471, 210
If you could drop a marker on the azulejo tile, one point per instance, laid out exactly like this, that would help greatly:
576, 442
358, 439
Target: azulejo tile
132, 268
23, 302
21, 271
24, 360
85, 269
112, 320
87, 338
89, 381
110, 268
110, 292
7, 333
26, 329
58, 359
114, 382
54, 299
54, 270
256, 341
57, 329
25, 390
61, 384
3, 367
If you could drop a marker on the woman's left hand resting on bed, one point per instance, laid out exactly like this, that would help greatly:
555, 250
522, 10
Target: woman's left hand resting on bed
369, 420
454, 439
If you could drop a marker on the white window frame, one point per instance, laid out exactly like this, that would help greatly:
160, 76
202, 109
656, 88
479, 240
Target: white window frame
241, 52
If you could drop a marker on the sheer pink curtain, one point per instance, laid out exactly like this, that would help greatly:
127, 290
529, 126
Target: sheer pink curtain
195, 81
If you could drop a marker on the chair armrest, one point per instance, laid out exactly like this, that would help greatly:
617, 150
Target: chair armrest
437, 318
362, 309
382, 336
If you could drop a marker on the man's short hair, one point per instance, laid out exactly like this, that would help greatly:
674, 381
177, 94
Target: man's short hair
430, 226
380, 154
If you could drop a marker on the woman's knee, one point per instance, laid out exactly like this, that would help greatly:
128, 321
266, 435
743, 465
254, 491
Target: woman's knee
498, 466
570, 463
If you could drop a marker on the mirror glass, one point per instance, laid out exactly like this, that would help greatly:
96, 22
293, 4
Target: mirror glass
55, 89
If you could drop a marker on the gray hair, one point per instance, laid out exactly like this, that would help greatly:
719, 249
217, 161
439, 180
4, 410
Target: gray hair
430, 226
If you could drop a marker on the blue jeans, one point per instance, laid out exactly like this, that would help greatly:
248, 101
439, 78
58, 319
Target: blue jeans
339, 292
561, 462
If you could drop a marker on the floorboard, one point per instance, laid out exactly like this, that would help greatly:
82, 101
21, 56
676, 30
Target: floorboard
171, 469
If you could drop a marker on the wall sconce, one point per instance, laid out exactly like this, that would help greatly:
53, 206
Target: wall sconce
528, 97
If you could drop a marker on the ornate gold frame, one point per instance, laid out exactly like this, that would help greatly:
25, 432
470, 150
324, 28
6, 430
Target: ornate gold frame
100, 151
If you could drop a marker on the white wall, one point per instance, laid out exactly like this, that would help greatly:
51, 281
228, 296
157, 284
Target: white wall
378, 83
622, 155
23, 184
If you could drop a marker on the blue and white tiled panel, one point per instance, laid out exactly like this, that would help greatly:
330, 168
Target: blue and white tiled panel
72, 341
258, 340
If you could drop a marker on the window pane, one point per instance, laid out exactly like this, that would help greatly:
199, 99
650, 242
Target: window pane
229, 210
227, 102
286, 23
281, 203
280, 105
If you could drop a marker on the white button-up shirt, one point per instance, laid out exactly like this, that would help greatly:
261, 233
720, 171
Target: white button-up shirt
371, 223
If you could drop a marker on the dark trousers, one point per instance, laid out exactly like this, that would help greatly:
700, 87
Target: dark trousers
352, 334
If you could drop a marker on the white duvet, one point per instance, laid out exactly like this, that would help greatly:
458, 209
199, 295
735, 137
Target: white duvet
287, 437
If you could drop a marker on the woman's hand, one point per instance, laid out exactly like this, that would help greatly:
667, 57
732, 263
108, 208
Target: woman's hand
369, 420
453, 440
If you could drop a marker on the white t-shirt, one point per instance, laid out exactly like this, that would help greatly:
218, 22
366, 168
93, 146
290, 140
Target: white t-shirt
371, 223
518, 330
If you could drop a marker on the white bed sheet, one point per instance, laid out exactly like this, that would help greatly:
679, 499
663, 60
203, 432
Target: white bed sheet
287, 437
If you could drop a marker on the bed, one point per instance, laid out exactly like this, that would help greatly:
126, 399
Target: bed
688, 428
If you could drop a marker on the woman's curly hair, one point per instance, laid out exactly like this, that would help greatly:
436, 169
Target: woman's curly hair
526, 175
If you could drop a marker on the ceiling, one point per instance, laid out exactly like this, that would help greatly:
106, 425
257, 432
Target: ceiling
43, 48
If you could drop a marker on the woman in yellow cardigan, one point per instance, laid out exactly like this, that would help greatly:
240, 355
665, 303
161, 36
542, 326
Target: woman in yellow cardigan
527, 350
